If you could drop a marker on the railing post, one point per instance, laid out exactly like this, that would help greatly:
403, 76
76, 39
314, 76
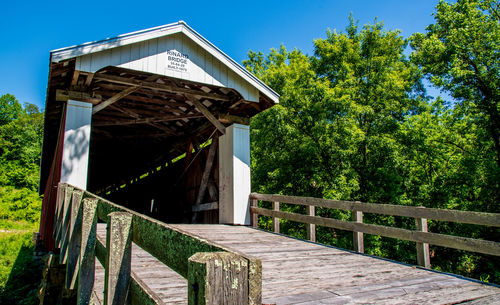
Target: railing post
217, 278
311, 228
69, 217
75, 238
358, 240
118, 258
61, 191
276, 220
86, 272
64, 220
423, 257
255, 217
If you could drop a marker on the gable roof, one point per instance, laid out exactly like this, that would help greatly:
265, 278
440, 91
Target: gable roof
161, 31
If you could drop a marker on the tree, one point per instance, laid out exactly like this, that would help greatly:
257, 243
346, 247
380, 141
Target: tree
460, 53
10, 108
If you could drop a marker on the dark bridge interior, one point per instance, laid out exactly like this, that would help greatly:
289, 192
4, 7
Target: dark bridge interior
150, 148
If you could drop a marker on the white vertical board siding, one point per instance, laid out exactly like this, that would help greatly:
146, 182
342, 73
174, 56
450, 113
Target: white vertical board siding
234, 175
76, 144
151, 56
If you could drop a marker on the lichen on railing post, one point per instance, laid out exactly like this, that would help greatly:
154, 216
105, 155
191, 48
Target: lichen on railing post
118, 258
218, 278
86, 274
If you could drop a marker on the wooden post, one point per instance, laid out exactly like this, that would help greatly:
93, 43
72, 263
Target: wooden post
118, 258
311, 228
71, 199
276, 220
75, 238
217, 278
358, 240
87, 251
61, 191
423, 257
255, 217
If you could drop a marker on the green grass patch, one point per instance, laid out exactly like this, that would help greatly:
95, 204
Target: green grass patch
20, 273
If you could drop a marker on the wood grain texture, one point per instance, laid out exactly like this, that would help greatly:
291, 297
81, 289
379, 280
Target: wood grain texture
300, 272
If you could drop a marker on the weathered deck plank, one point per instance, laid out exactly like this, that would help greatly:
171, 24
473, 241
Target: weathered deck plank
301, 272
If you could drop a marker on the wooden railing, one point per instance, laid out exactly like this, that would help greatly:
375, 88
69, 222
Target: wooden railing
77, 214
421, 236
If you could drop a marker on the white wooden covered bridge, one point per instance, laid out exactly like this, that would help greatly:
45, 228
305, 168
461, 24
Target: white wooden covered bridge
157, 121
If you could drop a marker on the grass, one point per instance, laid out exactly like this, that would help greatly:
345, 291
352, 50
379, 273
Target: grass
20, 272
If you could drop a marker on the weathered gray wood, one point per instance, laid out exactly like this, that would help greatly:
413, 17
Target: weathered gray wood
423, 256
205, 207
230, 119
207, 113
456, 242
311, 228
68, 220
255, 217
159, 87
276, 220
479, 218
114, 99
217, 278
87, 251
205, 176
75, 238
58, 219
118, 258
358, 238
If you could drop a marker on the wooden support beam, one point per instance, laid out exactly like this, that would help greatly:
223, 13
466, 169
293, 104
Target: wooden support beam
136, 116
159, 87
156, 119
204, 110
230, 119
208, 169
118, 258
205, 207
113, 99
74, 80
64, 95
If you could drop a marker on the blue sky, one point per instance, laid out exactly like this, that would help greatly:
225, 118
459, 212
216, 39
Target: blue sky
30, 29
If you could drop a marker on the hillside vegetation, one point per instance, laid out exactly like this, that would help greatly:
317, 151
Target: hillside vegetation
355, 123
20, 146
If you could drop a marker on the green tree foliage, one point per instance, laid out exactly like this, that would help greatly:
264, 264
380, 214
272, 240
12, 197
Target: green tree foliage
460, 54
354, 123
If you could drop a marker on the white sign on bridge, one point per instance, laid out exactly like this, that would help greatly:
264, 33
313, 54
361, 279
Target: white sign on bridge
177, 61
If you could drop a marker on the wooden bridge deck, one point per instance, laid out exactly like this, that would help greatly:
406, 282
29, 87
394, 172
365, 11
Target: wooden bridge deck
300, 272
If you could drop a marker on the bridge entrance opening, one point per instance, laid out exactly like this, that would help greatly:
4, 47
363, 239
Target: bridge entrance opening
156, 120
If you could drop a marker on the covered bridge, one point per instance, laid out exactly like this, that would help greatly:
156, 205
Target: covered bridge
156, 120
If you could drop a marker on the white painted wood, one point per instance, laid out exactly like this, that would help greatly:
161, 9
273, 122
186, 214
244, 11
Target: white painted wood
234, 175
76, 144
144, 51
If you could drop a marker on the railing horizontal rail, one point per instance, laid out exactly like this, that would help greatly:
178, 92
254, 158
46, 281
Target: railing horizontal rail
478, 218
171, 246
456, 242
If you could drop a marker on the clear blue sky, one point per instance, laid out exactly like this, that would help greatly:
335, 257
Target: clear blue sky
30, 29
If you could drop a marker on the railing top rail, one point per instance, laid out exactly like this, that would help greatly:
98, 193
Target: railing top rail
478, 218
